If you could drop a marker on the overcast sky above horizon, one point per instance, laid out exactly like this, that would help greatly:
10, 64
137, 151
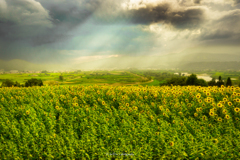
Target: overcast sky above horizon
55, 31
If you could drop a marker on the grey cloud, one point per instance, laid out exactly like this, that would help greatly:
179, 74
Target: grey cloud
188, 18
197, 1
236, 1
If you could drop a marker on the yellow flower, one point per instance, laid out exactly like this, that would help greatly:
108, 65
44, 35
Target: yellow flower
227, 117
171, 143
127, 104
219, 119
225, 99
28, 112
103, 103
236, 109
204, 118
173, 121
219, 105
195, 114
158, 120
197, 109
230, 103
57, 107
198, 96
211, 113
224, 111
215, 141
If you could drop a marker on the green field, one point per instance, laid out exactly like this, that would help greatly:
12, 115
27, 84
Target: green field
84, 78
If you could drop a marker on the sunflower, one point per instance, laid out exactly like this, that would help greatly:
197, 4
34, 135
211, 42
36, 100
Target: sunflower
57, 107
167, 110
237, 119
103, 103
198, 96
224, 111
204, 118
127, 104
208, 93
230, 103
238, 100
171, 143
164, 114
200, 101
197, 109
211, 113
186, 100
219, 105
173, 122
158, 120
236, 109
227, 117
215, 141
195, 114
219, 119
28, 112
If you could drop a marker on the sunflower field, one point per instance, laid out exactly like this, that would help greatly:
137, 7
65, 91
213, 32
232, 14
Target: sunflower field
121, 122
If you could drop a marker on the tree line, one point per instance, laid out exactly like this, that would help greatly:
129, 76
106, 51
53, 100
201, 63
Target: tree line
29, 83
193, 80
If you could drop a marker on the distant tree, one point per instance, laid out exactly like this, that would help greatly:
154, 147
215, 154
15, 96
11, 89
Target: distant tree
16, 84
201, 82
220, 82
229, 82
212, 82
7, 83
44, 71
181, 81
192, 80
61, 78
34, 82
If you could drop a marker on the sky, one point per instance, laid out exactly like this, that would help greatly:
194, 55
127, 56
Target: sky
73, 33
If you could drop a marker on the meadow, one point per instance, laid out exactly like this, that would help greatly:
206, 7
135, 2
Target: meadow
82, 78
122, 122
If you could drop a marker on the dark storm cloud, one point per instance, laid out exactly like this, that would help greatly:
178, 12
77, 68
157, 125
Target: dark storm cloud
197, 1
237, 1
188, 18
73, 12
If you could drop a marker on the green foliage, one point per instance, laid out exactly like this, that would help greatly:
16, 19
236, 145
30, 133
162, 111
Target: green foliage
9, 83
220, 81
44, 71
229, 82
212, 82
192, 80
181, 81
61, 78
201, 82
34, 82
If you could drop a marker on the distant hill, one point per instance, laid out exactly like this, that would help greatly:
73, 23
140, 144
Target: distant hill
17, 64
234, 65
